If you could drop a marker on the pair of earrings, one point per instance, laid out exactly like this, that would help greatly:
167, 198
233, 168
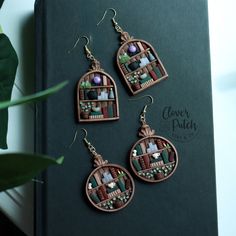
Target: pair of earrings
140, 68
153, 158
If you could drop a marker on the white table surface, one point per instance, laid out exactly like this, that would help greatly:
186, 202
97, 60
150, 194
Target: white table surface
16, 21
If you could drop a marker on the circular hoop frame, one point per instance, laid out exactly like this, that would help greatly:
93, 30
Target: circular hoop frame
119, 179
153, 170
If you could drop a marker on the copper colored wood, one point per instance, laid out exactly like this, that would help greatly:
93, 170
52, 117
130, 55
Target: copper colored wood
159, 168
100, 107
153, 158
109, 187
152, 64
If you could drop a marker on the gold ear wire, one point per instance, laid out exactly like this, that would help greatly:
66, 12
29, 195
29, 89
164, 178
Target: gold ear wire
115, 24
77, 41
147, 105
143, 113
87, 51
74, 139
91, 148
85, 137
104, 15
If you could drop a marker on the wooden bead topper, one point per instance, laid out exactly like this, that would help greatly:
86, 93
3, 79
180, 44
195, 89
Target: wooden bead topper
153, 158
139, 64
97, 97
110, 187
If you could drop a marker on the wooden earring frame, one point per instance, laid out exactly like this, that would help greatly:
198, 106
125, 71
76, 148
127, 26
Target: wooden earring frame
143, 74
102, 196
151, 169
100, 106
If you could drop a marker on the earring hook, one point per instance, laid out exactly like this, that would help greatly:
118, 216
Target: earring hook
143, 114
77, 41
91, 148
115, 24
105, 13
147, 105
85, 137
87, 51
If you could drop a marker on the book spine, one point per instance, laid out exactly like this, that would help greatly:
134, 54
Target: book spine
108, 82
113, 173
136, 165
94, 197
146, 161
143, 147
104, 80
144, 46
114, 110
81, 94
159, 144
172, 156
153, 75
121, 185
139, 150
110, 110
165, 156
157, 71
100, 195
97, 178
103, 190
140, 46
127, 184
142, 163
104, 109
93, 182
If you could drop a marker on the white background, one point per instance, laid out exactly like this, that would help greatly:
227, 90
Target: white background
16, 16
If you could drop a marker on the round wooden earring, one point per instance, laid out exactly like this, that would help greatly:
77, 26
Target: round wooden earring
109, 187
152, 158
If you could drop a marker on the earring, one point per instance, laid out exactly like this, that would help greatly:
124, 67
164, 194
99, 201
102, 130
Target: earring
152, 158
109, 187
97, 97
137, 60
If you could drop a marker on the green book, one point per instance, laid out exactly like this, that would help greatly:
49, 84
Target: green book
139, 150
110, 111
136, 165
157, 71
93, 182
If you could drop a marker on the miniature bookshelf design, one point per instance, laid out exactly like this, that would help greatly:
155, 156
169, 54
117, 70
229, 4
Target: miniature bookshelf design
110, 187
153, 158
140, 65
97, 97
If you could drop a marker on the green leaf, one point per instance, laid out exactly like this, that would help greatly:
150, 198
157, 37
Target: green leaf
1, 30
1, 2
8, 66
19, 168
34, 97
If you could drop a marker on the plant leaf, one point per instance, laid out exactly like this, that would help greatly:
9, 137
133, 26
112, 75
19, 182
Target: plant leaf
19, 168
1, 2
34, 97
8, 66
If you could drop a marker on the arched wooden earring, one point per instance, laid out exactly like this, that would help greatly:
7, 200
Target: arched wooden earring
97, 97
137, 60
109, 187
152, 158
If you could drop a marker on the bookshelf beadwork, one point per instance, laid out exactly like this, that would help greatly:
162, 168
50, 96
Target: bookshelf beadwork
110, 187
139, 64
97, 97
153, 158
